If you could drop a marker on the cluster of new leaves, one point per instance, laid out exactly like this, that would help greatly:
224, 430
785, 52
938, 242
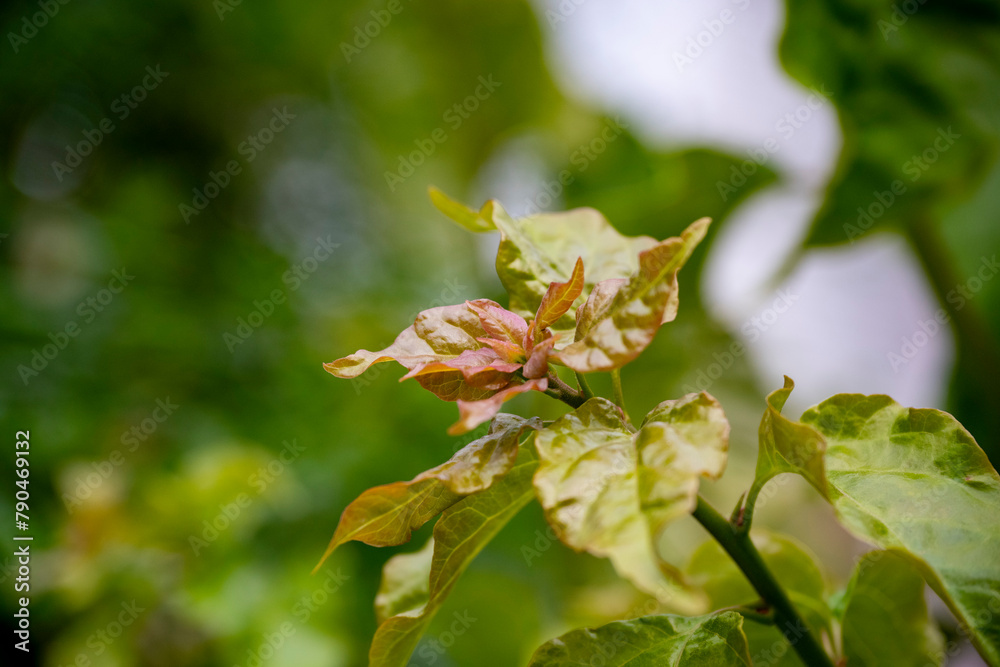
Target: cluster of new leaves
911, 482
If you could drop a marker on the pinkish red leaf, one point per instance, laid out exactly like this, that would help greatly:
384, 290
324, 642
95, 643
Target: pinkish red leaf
474, 413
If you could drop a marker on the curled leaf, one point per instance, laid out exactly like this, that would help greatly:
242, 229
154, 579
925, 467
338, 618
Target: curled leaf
473, 413
466, 217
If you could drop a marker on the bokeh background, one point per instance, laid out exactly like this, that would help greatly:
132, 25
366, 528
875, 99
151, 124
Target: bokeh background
164, 320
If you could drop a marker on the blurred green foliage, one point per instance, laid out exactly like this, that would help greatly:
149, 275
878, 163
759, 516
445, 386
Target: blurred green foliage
104, 540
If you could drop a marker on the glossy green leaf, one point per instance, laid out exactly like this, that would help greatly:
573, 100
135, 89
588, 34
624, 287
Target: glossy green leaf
796, 570
460, 213
387, 515
620, 330
610, 492
915, 480
885, 619
715, 640
786, 446
459, 535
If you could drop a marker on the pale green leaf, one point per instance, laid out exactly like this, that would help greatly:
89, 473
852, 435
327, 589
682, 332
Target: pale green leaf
459, 535
914, 480
620, 330
885, 620
610, 492
786, 446
715, 640
680, 441
539, 250
460, 213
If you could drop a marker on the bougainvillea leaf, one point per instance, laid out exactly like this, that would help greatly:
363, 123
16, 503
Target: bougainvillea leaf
387, 515
596, 304
538, 362
621, 330
539, 250
588, 482
786, 445
885, 619
915, 481
559, 298
716, 640
437, 334
680, 441
459, 535
473, 413
498, 322
460, 213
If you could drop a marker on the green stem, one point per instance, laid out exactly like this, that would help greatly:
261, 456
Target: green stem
748, 559
588, 393
742, 517
616, 386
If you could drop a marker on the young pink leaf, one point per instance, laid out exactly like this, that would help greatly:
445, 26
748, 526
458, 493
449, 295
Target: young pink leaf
538, 363
559, 298
438, 334
474, 413
498, 322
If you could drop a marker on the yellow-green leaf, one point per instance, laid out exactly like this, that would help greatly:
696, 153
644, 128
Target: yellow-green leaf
617, 333
539, 250
459, 535
786, 445
915, 481
460, 213
715, 640
601, 495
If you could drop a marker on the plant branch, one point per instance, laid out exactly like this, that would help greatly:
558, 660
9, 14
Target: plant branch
561, 391
748, 559
588, 393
